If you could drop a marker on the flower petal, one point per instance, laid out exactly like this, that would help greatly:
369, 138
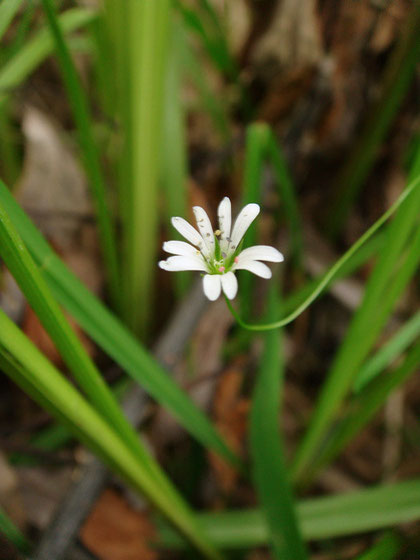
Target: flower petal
260, 253
245, 218
180, 248
178, 263
212, 286
224, 213
229, 284
204, 225
190, 233
258, 268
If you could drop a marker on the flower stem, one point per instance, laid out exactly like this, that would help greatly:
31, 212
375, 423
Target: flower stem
332, 271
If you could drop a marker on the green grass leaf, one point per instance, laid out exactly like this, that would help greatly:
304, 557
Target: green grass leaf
23, 362
90, 154
36, 50
320, 518
111, 335
268, 461
13, 534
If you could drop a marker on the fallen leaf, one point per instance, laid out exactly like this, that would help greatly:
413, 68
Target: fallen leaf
114, 531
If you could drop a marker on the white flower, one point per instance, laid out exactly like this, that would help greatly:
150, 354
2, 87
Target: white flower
217, 253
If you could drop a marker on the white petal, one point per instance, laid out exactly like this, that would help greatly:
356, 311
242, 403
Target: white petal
258, 268
178, 263
245, 218
180, 248
260, 253
212, 286
204, 225
224, 213
190, 233
229, 284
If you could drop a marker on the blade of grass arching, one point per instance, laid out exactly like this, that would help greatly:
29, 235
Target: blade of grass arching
22, 361
398, 343
398, 76
36, 49
366, 325
13, 534
268, 462
361, 410
257, 138
147, 52
8, 10
385, 549
320, 518
287, 190
174, 146
90, 155
112, 336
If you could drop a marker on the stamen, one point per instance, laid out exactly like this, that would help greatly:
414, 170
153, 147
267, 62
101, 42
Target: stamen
236, 260
221, 268
217, 233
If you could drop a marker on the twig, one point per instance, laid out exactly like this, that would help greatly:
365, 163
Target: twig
61, 535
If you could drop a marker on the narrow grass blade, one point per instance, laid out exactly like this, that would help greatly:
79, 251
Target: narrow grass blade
8, 10
33, 285
287, 191
257, 137
35, 50
111, 335
269, 465
204, 22
320, 518
381, 294
147, 37
398, 76
398, 343
9, 154
174, 146
90, 155
360, 411
385, 549
13, 534
23, 362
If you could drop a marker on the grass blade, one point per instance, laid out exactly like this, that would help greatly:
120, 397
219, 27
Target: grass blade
380, 297
320, 518
287, 191
38, 48
385, 549
90, 155
13, 534
361, 410
23, 362
8, 10
398, 343
148, 25
174, 147
269, 466
111, 335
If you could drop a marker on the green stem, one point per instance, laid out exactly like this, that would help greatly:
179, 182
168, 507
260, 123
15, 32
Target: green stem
333, 270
